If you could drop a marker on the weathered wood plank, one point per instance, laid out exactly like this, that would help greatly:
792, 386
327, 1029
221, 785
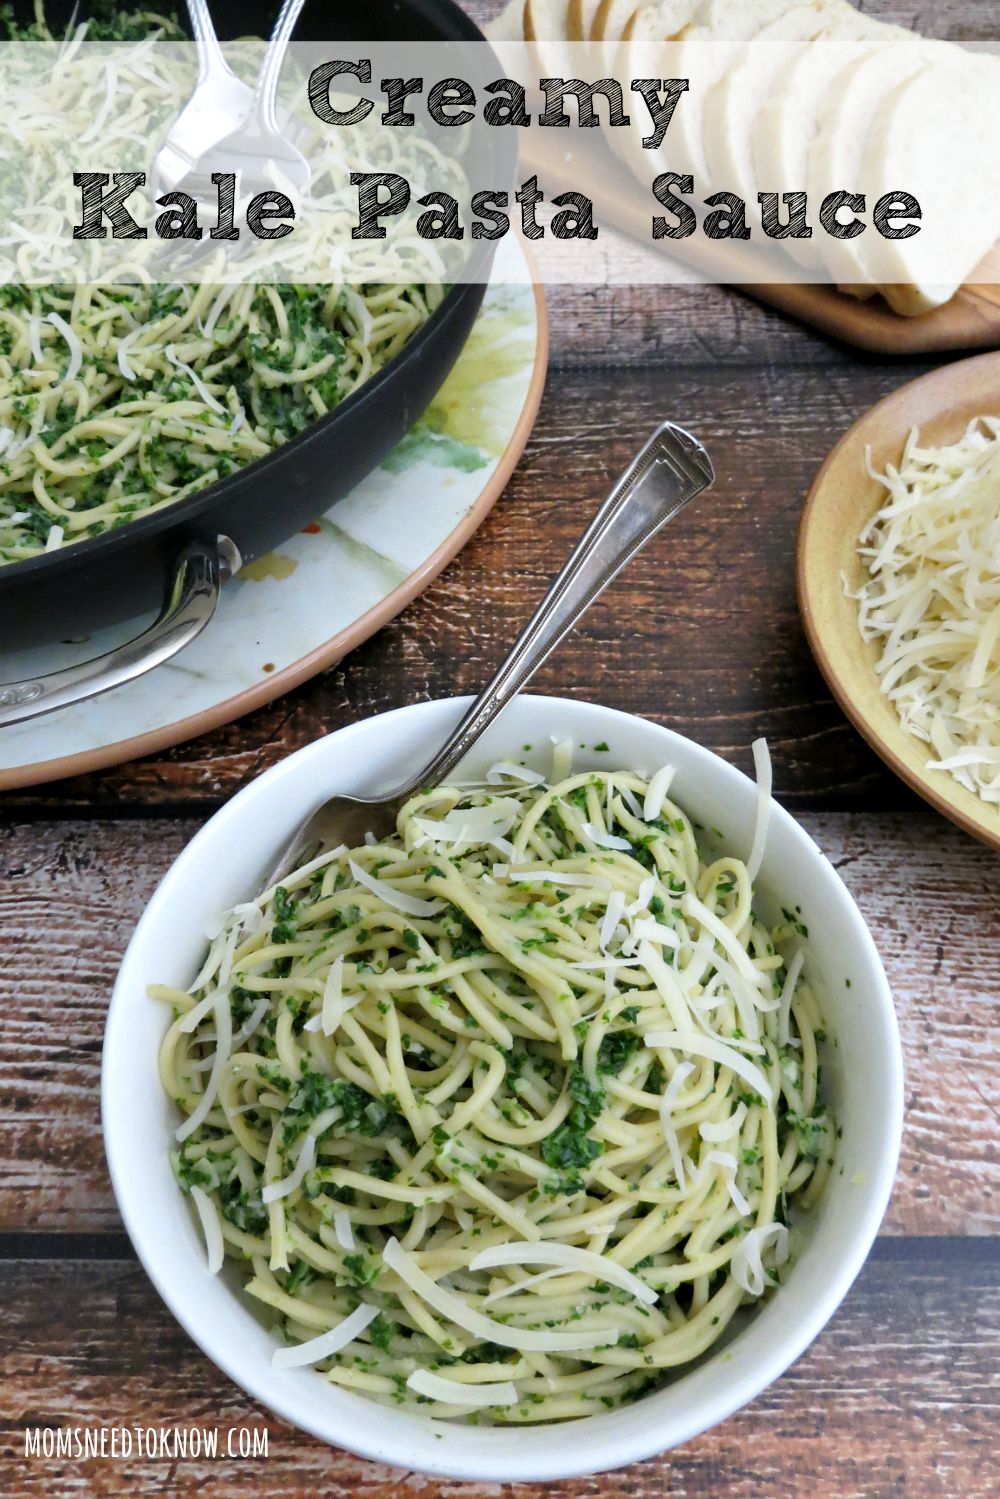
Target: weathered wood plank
599, 327
953, 20
71, 893
702, 633
858, 1415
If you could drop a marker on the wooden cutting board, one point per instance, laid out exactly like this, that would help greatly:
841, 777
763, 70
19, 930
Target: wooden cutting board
971, 320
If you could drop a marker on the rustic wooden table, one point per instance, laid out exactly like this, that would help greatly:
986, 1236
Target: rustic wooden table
899, 1394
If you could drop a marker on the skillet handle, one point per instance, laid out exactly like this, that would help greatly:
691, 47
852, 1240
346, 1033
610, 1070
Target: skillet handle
190, 600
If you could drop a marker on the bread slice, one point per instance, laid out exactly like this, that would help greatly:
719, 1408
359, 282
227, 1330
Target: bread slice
837, 153
742, 19
736, 99
545, 31
611, 19
615, 22
508, 26
935, 135
787, 122
726, 25
645, 54
579, 19
545, 21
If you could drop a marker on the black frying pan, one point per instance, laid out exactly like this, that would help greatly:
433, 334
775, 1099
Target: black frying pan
175, 555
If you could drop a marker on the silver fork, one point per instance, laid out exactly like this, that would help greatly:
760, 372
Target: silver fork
218, 101
227, 126
259, 139
669, 471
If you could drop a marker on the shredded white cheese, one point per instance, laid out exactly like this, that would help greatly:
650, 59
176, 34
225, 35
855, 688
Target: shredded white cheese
252, 1022
647, 889
342, 1229
410, 905
653, 931
328, 1343
713, 1050
516, 1287
548, 876
274, 1191
569, 1258
223, 1045
110, 89
334, 1008
506, 770
472, 824
656, 793
606, 840
123, 347
211, 401
614, 911
765, 778
75, 346
562, 758
726, 938
457, 1310
211, 1227
747, 1262
931, 603
728, 1163
788, 994
724, 1129
682, 1072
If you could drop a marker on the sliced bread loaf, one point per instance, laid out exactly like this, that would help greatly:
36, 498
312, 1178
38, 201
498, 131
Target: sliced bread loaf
738, 96
935, 136
787, 122
837, 153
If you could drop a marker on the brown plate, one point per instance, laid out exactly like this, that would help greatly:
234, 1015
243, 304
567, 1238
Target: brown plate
842, 500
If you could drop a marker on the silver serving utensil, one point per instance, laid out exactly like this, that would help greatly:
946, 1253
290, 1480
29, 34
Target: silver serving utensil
219, 100
669, 471
258, 140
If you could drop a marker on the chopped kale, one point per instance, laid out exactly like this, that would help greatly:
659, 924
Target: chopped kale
303, 1275
616, 1050
250, 1217
381, 1331
811, 1131
570, 1147
363, 1269
286, 910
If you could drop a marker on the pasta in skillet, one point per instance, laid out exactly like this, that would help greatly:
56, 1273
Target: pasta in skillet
120, 398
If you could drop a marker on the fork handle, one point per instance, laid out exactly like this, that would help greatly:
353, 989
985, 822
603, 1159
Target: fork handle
274, 57
670, 470
210, 58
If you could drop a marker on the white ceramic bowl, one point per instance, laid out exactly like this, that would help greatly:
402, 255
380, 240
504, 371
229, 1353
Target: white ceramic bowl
863, 1078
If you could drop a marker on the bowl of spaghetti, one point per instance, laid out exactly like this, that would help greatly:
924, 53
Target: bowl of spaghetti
574, 1105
